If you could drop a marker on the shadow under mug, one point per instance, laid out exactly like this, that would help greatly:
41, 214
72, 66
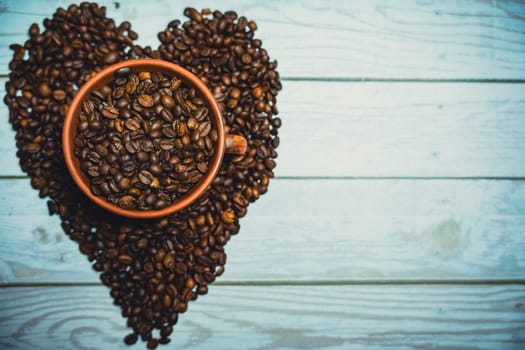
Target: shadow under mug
226, 143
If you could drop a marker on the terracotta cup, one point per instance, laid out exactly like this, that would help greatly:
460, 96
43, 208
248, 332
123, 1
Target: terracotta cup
226, 143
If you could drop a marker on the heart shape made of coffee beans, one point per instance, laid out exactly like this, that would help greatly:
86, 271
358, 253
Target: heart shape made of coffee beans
153, 267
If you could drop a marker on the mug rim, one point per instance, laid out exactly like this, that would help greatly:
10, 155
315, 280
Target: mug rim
105, 76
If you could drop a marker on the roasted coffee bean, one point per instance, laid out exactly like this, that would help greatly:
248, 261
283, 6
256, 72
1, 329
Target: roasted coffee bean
156, 169
132, 84
175, 84
145, 177
204, 129
124, 183
132, 124
32, 148
166, 115
125, 259
166, 144
169, 132
123, 72
257, 92
132, 147
145, 100
160, 204
203, 167
101, 150
201, 114
153, 343
142, 157
110, 112
180, 127
150, 199
167, 101
192, 123
93, 171
131, 339
126, 202
111, 57
59, 95
128, 166
44, 90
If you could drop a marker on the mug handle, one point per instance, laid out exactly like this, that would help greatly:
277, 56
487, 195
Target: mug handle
235, 144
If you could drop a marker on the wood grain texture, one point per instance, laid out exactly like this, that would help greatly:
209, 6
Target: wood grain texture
340, 39
317, 230
305, 243
279, 317
387, 129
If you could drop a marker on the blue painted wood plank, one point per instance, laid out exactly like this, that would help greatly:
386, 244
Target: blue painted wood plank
279, 317
317, 230
387, 129
340, 39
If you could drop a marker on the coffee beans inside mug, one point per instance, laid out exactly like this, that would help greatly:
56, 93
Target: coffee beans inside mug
144, 140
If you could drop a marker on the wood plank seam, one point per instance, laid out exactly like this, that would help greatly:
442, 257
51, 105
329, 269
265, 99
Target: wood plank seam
304, 283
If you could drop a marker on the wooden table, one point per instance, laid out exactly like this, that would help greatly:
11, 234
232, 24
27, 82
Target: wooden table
397, 216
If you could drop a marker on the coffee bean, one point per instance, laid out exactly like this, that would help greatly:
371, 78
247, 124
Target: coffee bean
180, 128
145, 177
192, 123
145, 100
44, 90
154, 158
110, 112
166, 144
136, 134
167, 101
160, 204
59, 95
155, 169
131, 339
167, 116
204, 129
142, 157
125, 259
169, 132
128, 166
228, 217
261, 152
269, 163
144, 75
132, 124
93, 171
124, 183
32, 148
201, 114
257, 92
203, 167
132, 146
126, 202
153, 343
132, 84
111, 57
118, 125
193, 14
101, 150
169, 261
123, 72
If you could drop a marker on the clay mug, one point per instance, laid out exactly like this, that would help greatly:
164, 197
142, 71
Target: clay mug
226, 143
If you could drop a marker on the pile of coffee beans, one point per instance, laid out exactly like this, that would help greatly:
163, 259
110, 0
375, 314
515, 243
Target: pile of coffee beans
154, 268
221, 49
144, 140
